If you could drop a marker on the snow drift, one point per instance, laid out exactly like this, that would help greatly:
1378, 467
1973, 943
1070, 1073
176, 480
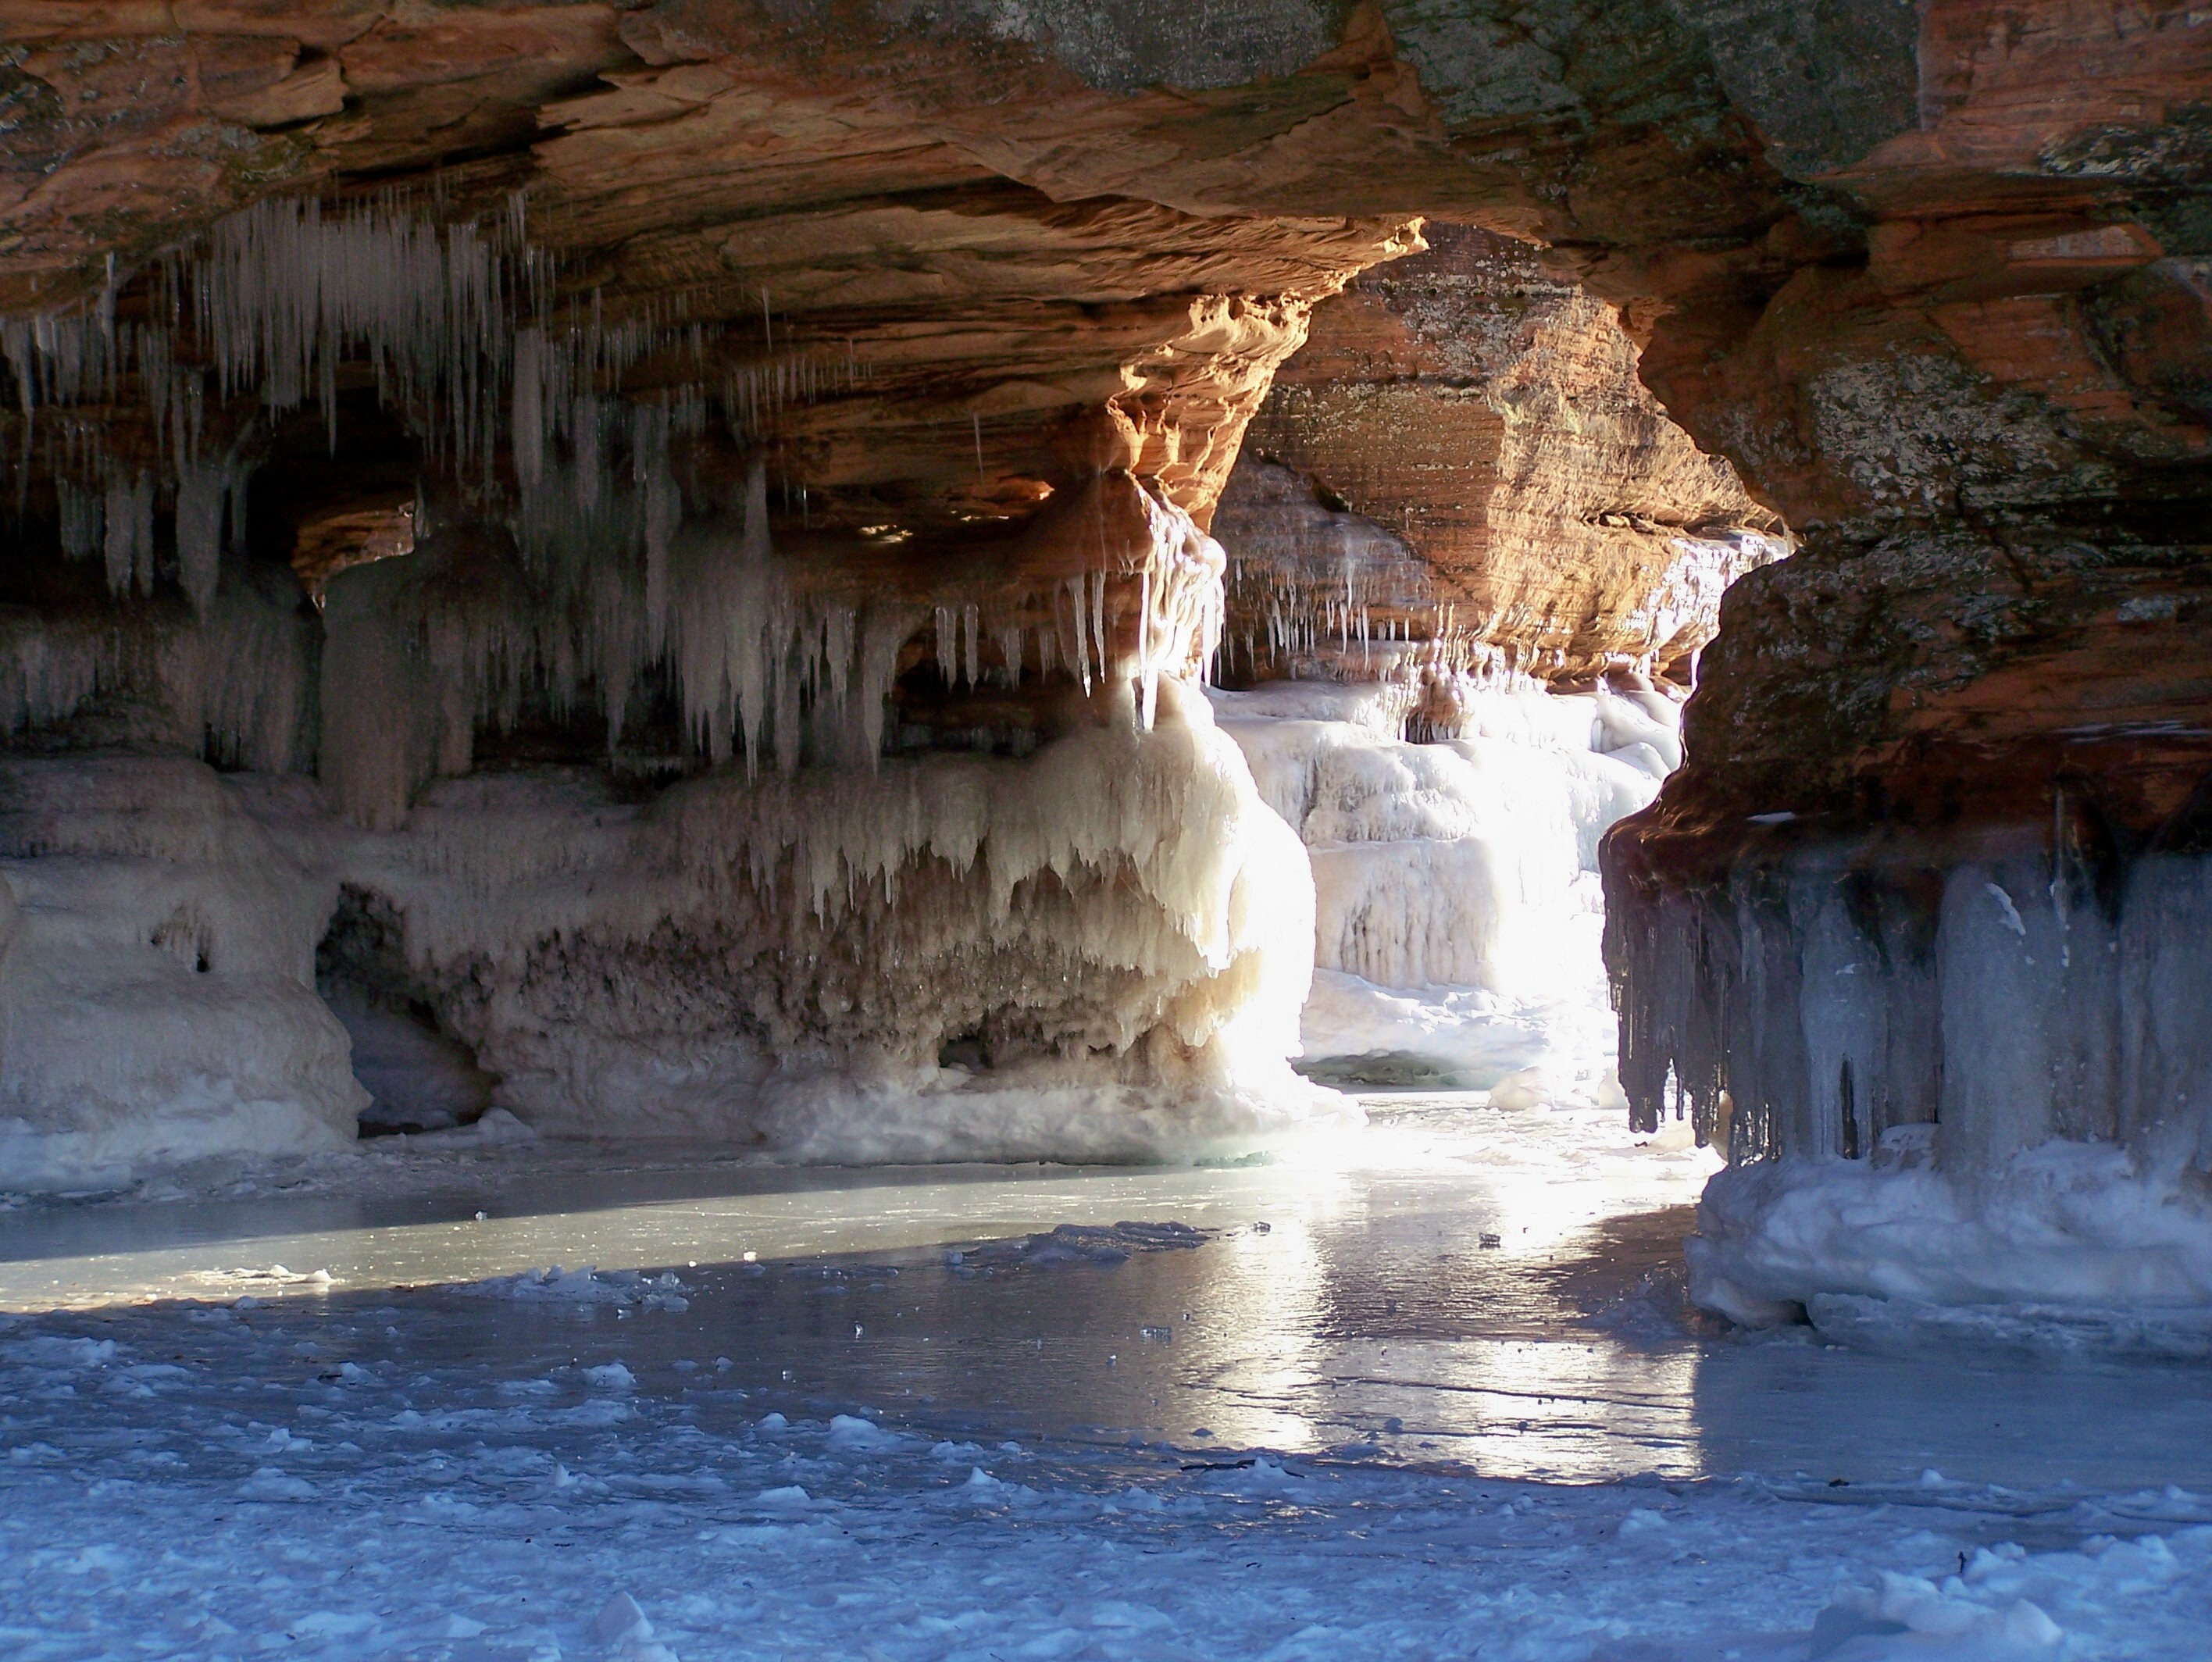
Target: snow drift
2067, 1227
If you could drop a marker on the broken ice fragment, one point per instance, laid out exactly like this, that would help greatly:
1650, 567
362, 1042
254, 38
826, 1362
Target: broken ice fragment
620, 1621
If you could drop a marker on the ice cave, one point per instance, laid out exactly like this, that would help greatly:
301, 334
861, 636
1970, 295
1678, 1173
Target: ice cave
1284, 828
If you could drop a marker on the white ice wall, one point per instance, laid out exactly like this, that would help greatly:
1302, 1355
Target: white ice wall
1947, 1067
1446, 863
157, 996
774, 964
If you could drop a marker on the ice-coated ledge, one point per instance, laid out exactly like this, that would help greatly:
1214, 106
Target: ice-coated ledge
2073, 1229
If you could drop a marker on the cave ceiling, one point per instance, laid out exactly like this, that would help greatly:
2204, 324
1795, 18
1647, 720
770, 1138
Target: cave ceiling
1935, 278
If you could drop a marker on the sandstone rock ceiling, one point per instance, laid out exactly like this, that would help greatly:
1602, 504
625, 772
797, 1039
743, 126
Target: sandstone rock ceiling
1487, 413
1935, 278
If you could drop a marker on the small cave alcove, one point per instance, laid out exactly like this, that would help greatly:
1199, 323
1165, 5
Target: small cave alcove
421, 1077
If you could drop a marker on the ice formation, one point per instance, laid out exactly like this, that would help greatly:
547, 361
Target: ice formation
2067, 1227
1938, 1071
510, 373
1117, 923
1455, 889
1102, 897
233, 682
777, 950
157, 996
1682, 609
467, 325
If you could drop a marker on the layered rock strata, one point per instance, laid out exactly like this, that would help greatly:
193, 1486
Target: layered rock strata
1465, 414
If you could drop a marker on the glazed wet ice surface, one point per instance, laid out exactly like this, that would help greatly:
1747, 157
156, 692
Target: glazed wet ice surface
1457, 1282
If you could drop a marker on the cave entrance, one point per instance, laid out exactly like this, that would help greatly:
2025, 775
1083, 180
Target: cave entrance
420, 1076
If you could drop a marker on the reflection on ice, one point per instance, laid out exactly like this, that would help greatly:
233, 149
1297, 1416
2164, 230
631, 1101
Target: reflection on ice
1458, 1283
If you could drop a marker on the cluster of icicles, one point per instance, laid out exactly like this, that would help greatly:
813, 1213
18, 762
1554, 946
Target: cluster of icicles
467, 337
1296, 617
422, 654
465, 327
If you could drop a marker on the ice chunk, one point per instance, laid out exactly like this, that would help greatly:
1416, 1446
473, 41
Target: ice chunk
620, 1621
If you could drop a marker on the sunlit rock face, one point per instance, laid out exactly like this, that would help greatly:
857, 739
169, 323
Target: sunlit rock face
765, 392
1480, 418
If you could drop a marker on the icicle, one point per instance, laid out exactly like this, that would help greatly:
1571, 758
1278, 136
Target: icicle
664, 513
128, 544
1082, 634
83, 515
1147, 671
837, 645
948, 647
584, 437
751, 676
1098, 621
528, 415
199, 533
240, 477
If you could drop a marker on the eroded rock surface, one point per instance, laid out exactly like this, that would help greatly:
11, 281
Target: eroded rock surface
1485, 414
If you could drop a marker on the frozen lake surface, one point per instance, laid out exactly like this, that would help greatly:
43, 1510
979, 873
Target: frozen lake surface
1426, 1389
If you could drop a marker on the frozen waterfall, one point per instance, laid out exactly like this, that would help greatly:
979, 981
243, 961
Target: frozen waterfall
1457, 904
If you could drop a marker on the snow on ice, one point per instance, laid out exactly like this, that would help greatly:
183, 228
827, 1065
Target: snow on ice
415, 1503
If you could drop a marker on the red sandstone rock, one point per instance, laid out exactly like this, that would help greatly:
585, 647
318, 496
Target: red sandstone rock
1935, 283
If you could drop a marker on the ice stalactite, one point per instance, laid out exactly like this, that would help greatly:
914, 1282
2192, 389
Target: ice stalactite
127, 540
1927, 1011
769, 670
467, 328
1179, 610
771, 663
201, 491
84, 519
1833, 989
1320, 592
424, 652
115, 520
